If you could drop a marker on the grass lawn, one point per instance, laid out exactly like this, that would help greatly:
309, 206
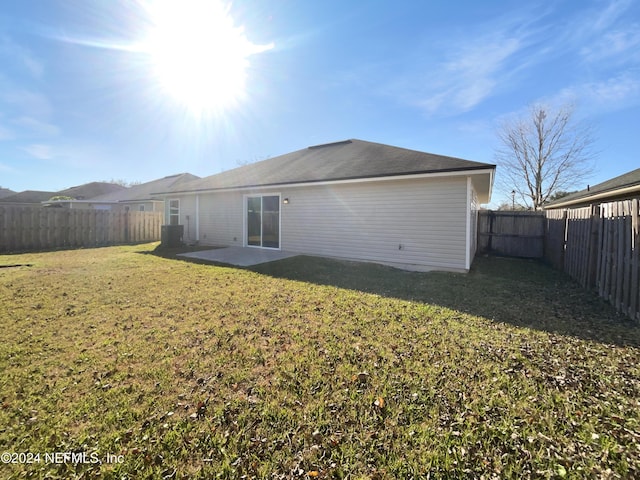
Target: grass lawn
310, 368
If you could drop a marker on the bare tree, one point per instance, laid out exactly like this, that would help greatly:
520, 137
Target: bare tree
543, 153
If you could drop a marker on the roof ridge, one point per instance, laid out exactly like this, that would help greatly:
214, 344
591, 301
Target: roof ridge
332, 144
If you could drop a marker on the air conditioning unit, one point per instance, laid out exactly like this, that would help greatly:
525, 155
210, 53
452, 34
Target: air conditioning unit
171, 236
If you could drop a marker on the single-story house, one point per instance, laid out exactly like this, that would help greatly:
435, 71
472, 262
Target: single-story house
619, 188
352, 199
135, 198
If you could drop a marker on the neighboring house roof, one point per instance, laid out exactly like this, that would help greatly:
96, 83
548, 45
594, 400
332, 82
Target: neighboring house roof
90, 190
623, 186
5, 192
143, 191
346, 160
28, 196
86, 191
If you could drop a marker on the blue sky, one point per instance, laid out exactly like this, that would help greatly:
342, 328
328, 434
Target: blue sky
81, 101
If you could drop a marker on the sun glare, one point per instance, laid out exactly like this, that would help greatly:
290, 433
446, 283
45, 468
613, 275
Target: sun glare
198, 55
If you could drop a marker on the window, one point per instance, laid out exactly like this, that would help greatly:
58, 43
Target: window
141, 208
174, 212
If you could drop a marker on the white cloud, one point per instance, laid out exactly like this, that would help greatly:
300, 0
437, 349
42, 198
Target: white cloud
39, 151
26, 113
19, 55
31, 104
610, 94
608, 33
602, 19
619, 45
6, 168
470, 75
6, 134
36, 127
455, 76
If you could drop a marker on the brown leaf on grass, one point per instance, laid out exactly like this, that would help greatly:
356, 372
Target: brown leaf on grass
379, 402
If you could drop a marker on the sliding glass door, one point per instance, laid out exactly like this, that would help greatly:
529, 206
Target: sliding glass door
263, 221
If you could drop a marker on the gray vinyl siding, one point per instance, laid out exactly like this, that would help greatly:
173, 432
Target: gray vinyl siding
408, 223
187, 209
411, 222
221, 219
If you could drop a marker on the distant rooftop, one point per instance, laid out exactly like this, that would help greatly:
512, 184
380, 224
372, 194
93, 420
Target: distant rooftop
625, 185
143, 191
28, 197
5, 192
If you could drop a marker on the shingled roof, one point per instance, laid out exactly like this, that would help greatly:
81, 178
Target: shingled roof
28, 197
345, 160
90, 190
5, 192
85, 191
143, 191
623, 186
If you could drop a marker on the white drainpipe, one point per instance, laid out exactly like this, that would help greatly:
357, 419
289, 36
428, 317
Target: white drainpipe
197, 218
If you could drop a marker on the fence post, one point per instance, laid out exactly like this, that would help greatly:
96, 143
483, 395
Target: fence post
492, 217
565, 232
594, 246
126, 226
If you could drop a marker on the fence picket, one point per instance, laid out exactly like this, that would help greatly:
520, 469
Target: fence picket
634, 308
599, 245
25, 228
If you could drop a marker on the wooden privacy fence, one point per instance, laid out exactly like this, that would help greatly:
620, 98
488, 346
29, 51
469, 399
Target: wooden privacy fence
598, 245
28, 228
514, 234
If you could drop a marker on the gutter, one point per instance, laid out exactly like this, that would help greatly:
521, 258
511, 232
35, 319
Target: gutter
490, 169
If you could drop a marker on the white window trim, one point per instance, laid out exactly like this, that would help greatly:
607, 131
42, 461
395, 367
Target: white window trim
169, 210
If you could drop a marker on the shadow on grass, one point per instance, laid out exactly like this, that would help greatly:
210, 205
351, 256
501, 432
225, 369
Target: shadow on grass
524, 293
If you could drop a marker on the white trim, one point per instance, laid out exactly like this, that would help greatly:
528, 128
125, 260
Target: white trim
467, 253
197, 218
169, 200
586, 200
245, 232
335, 182
493, 179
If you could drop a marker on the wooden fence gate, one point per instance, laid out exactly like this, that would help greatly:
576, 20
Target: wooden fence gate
513, 234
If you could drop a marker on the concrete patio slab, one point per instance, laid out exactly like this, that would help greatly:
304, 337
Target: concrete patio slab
239, 256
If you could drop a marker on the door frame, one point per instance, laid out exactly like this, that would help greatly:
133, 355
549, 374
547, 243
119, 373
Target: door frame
245, 229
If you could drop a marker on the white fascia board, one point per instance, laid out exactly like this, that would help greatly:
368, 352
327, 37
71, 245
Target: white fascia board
594, 198
460, 173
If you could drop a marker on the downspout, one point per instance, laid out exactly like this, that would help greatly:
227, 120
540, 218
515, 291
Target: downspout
467, 259
197, 218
